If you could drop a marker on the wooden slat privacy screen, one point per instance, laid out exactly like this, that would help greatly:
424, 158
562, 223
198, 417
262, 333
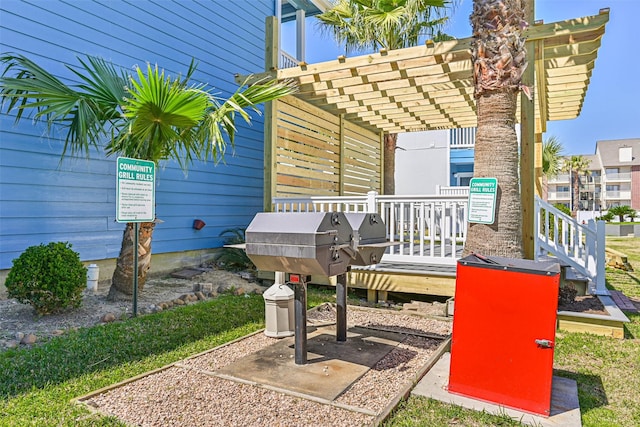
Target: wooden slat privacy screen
320, 154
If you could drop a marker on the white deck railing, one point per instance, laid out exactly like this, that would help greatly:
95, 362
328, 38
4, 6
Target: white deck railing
582, 246
452, 191
432, 229
427, 229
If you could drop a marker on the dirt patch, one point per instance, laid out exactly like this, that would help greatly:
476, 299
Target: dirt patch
585, 304
18, 321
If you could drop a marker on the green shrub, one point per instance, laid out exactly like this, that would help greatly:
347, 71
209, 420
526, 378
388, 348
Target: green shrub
233, 259
49, 277
608, 217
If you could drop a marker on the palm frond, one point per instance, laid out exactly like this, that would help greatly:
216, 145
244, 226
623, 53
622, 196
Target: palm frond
219, 124
551, 157
45, 97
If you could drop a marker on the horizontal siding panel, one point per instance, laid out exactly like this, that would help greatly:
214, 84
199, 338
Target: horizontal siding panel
43, 199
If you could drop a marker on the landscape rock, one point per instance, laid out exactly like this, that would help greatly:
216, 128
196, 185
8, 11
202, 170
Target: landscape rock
12, 344
19, 336
200, 295
29, 339
57, 332
178, 301
108, 318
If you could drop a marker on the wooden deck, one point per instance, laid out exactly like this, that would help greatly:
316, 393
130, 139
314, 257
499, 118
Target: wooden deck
425, 279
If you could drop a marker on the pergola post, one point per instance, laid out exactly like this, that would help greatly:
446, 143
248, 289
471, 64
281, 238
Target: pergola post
527, 145
271, 58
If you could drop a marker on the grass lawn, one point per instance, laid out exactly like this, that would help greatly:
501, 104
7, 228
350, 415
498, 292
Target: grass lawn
37, 384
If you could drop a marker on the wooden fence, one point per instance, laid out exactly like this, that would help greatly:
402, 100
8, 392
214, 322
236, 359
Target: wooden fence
319, 154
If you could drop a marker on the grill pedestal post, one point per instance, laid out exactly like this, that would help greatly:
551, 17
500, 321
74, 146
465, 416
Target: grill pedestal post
300, 310
341, 305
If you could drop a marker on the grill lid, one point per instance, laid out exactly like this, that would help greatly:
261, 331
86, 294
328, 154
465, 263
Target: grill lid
300, 242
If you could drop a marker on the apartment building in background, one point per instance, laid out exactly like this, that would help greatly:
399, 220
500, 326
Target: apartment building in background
612, 178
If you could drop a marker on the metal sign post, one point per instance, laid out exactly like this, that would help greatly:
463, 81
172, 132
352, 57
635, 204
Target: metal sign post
482, 200
135, 195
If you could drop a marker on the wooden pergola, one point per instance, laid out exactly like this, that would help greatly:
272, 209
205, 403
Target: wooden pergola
430, 87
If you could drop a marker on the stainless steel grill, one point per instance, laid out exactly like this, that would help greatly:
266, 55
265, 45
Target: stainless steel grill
320, 243
323, 243
302, 243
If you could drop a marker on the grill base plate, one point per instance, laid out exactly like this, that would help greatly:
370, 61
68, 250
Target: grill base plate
331, 366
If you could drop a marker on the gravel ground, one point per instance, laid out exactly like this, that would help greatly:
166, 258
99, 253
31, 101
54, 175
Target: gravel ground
189, 393
18, 320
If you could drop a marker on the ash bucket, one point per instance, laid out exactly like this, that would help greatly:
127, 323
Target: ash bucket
278, 310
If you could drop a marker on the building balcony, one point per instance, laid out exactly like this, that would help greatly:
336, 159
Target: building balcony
622, 176
618, 195
559, 179
559, 195
287, 61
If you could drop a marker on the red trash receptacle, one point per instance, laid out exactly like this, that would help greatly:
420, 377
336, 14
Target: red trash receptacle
504, 331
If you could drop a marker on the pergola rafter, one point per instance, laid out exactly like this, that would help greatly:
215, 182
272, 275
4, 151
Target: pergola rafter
430, 86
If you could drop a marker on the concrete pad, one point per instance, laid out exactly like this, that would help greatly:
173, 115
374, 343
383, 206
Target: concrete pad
565, 408
331, 366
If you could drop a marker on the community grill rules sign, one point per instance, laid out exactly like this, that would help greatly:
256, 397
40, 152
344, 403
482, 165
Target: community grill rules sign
135, 190
482, 200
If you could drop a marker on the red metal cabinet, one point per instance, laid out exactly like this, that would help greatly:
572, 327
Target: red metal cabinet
504, 331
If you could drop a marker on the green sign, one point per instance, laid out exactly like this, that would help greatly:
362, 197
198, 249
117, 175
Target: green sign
135, 190
482, 200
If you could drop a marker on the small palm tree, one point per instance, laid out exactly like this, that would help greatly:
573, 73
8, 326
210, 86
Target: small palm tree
622, 211
576, 166
384, 24
551, 157
146, 115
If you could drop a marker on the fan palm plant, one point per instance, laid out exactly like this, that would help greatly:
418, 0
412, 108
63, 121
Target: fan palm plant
146, 115
385, 24
498, 62
576, 166
551, 157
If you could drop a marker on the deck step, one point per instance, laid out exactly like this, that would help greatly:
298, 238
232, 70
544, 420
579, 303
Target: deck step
623, 303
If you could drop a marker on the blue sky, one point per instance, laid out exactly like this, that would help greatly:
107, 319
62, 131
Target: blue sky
611, 108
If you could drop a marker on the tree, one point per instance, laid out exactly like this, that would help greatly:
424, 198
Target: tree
576, 166
622, 211
551, 157
144, 115
498, 55
385, 24
551, 160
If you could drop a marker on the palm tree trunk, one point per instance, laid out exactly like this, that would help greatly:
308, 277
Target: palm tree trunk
499, 59
496, 156
389, 167
576, 194
122, 280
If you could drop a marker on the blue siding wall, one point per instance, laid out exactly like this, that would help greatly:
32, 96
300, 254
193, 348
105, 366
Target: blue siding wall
461, 160
44, 198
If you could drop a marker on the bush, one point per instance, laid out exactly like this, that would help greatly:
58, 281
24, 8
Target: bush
233, 259
608, 217
49, 277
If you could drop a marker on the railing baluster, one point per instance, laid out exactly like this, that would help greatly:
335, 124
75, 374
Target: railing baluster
422, 220
412, 227
401, 237
432, 229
